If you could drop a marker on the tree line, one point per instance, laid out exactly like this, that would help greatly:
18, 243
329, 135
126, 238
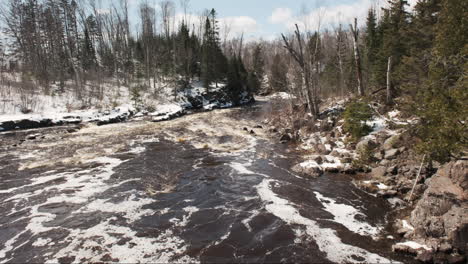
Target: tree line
64, 40
414, 58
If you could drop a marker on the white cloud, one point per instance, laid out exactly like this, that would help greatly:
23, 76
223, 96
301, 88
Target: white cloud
281, 15
236, 26
232, 26
329, 16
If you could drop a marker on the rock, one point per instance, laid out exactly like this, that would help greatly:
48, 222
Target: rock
425, 256
445, 247
458, 174
259, 127
252, 132
346, 160
378, 155
435, 227
316, 158
392, 170
391, 154
379, 172
391, 142
32, 136
286, 137
365, 145
273, 130
443, 208
456, 226
312, 170
322, 149
409, 247
349, 169
388, 193
245, 129
384, 162
456, 259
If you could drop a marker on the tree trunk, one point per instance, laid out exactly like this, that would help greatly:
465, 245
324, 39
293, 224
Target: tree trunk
357, 58
389, 81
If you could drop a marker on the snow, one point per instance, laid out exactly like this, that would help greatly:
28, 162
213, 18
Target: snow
382, 186
414, 245
166, 111
407, 225
310, 164
281, 95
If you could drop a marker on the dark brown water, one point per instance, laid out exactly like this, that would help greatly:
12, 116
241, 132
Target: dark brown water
166, 201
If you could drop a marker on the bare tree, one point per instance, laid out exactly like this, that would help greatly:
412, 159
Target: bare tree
389, 81
357, 57
300, 57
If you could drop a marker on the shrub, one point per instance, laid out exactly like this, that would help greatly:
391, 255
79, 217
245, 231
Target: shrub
355, 116
135, 94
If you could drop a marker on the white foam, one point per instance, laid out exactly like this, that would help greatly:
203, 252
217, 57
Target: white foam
40, 242
326, 239
241, 168
346, 215
130, 208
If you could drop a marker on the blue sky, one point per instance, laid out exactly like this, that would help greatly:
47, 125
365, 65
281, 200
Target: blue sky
268, 18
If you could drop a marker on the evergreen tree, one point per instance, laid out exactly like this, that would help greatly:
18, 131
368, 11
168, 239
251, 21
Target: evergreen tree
393, 29
442, 104
257, 73
214, 63
278, 78
373, 42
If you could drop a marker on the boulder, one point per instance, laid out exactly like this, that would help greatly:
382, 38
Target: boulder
309, 169
391, 154
365, 145
378, 155
322, 149
391, 142
286, 137
411, 248
443, 208
316, 158
393, 170
379, 172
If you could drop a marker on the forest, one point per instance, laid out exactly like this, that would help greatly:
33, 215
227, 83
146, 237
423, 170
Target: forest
415, 59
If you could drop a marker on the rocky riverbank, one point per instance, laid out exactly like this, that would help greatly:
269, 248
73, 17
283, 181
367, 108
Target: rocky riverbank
194, 99
429, 200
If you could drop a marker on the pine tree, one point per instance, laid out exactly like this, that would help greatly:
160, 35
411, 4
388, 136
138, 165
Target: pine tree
214, 63
421, 37
393, 29
278, 77
373, 42
257, 73
442, 104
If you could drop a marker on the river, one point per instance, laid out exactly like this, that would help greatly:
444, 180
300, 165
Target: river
194, 189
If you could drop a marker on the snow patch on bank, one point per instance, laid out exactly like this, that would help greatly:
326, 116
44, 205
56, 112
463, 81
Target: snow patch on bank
413, 245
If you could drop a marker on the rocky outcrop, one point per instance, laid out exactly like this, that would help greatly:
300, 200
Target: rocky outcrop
441, 215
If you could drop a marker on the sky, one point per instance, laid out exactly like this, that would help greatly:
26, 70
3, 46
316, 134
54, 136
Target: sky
267, 19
